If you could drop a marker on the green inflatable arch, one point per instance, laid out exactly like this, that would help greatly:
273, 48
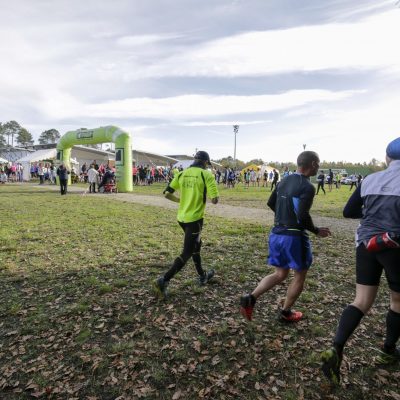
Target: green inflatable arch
104, 134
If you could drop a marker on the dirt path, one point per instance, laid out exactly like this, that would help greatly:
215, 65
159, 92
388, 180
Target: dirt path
257, 215
260, 216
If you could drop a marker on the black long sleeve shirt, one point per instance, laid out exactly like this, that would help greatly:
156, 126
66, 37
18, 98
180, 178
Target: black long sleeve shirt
353, 207
291, 201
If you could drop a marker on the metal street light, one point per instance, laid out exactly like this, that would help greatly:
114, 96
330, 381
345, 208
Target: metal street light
235, 131
304, 146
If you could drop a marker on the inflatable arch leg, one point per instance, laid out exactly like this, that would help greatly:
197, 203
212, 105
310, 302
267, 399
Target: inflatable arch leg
105, 134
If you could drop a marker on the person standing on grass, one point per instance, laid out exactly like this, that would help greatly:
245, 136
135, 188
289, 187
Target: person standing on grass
289, 246
41, 173
271, 176
259, 177
84, 171
377, 202
330, 180
265, 179
353, 181
194, 184
93, 178
338, 178
52, 174
321, 182
274, 179
63, 173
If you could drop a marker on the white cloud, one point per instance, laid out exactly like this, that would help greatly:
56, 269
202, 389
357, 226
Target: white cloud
206, 105
368, 44
108, 68
224, 123
359, 133
142, 40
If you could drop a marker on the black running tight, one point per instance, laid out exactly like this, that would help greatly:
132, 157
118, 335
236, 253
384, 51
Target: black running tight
191, 248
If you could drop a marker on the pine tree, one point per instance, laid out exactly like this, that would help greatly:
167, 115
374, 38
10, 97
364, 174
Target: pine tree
49, 136
24, 137
11, 128
2, 138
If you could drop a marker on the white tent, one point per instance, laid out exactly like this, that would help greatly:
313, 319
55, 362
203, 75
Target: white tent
39, 155
3, 161
267, 168
187, 163
184, 164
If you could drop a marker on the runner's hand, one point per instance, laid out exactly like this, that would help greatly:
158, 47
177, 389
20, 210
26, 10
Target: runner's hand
324, 232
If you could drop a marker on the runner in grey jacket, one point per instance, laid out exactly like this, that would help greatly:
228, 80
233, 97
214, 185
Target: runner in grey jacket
379, 195
377, 202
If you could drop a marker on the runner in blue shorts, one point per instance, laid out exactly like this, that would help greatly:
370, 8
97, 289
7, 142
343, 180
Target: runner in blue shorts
289, 245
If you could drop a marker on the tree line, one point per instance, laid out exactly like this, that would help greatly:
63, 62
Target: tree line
13, 134
363, 168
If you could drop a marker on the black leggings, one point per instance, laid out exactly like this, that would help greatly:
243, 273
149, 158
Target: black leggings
63, 186
191, 248
320, 185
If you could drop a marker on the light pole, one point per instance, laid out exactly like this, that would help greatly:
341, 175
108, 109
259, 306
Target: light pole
235, 131
304, 147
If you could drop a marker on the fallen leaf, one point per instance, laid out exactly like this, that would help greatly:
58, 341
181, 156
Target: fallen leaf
177, 395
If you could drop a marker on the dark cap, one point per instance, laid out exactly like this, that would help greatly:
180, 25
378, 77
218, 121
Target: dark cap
203, 156
393, 149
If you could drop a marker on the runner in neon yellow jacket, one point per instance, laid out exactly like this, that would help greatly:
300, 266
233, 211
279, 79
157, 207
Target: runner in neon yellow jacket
194, 184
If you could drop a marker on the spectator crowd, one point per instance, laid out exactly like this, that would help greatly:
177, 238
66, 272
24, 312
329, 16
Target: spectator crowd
144, 175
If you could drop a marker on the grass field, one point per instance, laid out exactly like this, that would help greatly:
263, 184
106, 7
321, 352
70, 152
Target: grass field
78, 319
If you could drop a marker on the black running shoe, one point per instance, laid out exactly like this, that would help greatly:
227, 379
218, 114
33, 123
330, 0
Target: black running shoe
160, 287
331, 365
206, 277
290, 316
385, 358
247, 303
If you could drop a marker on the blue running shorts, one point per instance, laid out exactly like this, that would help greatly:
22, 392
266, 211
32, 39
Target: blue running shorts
290, 251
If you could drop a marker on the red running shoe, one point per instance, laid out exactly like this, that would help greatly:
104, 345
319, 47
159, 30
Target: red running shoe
247, 303
290, 316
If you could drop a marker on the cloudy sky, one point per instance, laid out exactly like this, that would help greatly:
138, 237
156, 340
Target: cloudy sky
177, 74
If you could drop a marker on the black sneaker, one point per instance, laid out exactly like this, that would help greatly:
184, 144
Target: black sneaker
247, 303
206, 277
160, 287
331, 365
290, 316
386, 358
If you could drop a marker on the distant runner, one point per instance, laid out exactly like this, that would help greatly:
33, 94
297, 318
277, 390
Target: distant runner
321, 182
274, 179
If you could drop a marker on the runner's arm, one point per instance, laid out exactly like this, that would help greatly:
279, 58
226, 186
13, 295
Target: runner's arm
272, 201
353, 207
304, 217
169, 194
212, 189
171, 187
172, 197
